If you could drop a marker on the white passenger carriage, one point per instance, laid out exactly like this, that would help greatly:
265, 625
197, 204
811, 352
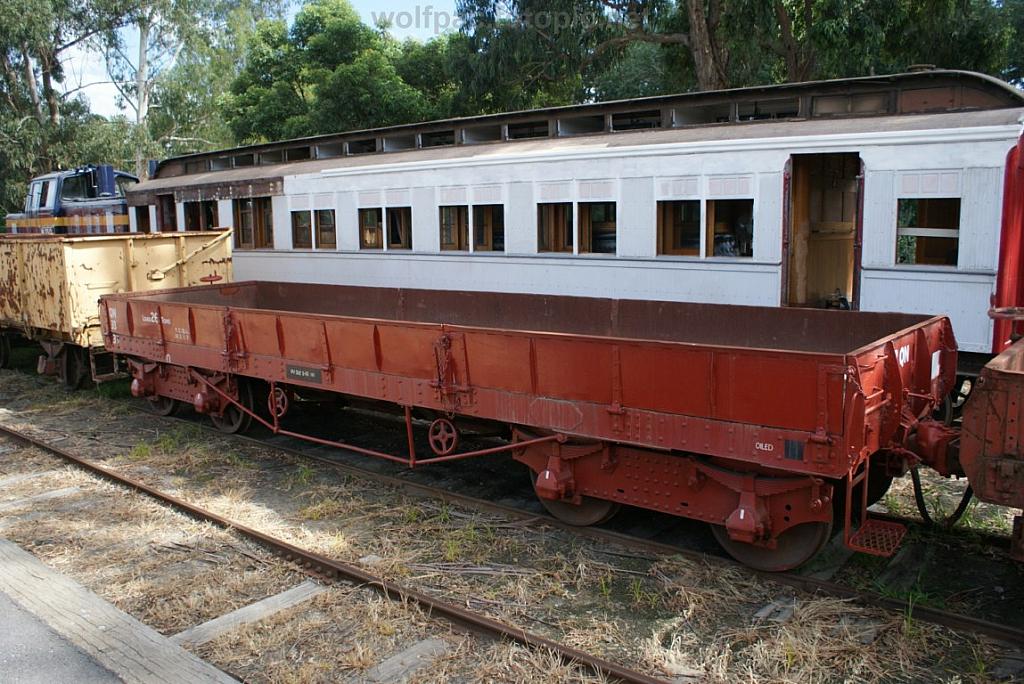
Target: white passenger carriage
882, 194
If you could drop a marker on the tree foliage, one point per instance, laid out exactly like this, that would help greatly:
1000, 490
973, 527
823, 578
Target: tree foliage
202, 74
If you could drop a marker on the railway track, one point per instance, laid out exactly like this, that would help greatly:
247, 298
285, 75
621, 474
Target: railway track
333, 570
1001, 632
109, 435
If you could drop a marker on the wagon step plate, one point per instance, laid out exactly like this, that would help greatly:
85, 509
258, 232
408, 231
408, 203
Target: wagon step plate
878, 537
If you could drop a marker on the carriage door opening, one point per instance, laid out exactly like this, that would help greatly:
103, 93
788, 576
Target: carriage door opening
822, 236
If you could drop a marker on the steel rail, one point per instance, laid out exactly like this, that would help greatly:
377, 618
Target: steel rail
329, 568
927, 614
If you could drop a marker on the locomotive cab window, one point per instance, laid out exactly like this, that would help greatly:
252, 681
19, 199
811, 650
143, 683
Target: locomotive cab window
254, 222
302, 230
489, 228
399, 227
326, 230
75, 189
597, 227
371, 232
730, 228
454, 228
554, 227
679, 227
928, 231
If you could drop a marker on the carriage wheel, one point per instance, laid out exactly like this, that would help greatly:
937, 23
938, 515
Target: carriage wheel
443, 437
234, 420
794, 547
161, 406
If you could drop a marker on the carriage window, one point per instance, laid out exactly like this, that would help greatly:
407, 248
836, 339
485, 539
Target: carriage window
254, 223
679, 227
370, 230
730, 228
142, 219
326, 232
399, 227
489, 228
302, 230
166, 213
455, 228
597, 227
928, 231
201, 215
554, 227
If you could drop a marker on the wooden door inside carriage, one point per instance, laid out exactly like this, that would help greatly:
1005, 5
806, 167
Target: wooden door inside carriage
822, 231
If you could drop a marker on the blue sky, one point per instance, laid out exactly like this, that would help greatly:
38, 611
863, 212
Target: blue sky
421, 20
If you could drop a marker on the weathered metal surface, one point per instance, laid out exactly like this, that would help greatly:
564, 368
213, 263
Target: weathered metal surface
990, 449
739, 416
50, 285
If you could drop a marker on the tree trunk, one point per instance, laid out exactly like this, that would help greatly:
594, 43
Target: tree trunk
10, 80
30, 84
142, 98
708, 58
800, 59
52, 101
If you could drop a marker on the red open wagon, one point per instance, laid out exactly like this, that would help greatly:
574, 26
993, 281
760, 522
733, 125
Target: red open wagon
760, 421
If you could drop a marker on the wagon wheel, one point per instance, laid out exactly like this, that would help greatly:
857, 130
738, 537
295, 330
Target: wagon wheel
795, 546
5, 351
589, 511
73, 367
952, 406
161, 406
443, 437
234, 420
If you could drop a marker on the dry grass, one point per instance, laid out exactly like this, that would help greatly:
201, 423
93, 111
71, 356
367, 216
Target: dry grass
336, 637
672, 617
169, 571
942, 496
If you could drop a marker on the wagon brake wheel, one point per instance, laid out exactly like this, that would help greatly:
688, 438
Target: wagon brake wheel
278, 402
590, 511
162, 406
234, 420
794, 547
443, 437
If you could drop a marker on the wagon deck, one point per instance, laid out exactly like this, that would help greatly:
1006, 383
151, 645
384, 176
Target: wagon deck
611, 400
